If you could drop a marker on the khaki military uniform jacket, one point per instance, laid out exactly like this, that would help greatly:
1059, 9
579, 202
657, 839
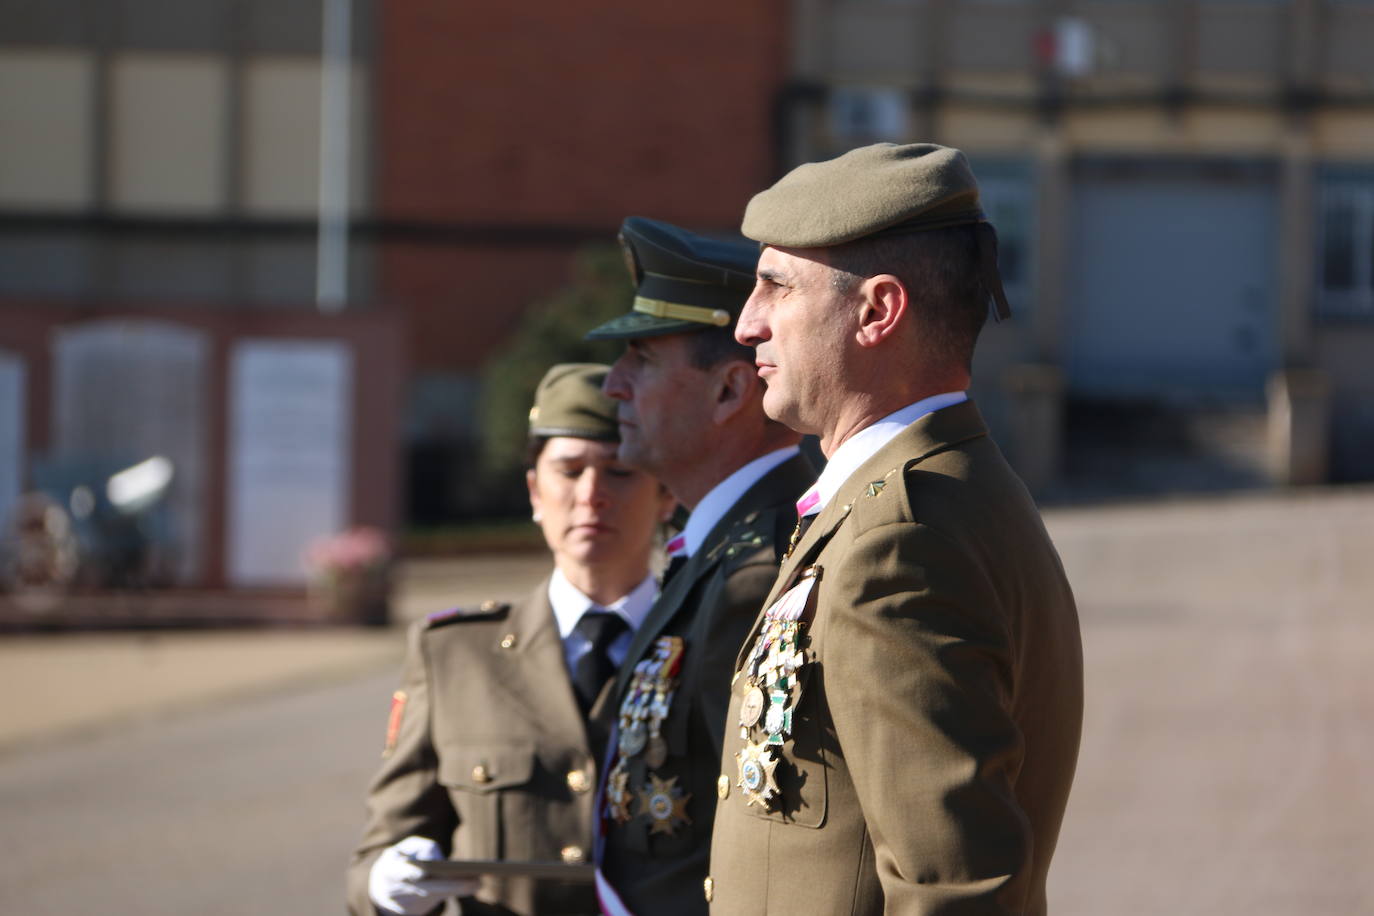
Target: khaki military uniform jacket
491, 759
938, 707
710, 603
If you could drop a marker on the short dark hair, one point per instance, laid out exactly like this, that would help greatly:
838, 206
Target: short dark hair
710, 347
940, 270
534, 447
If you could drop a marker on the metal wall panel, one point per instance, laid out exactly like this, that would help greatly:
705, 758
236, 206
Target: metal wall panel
46, 22
991, 37
1173, 285
1241, 38
175, 25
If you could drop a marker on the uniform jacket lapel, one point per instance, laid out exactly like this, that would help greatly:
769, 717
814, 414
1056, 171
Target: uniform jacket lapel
784, 482
534, 670
930, 435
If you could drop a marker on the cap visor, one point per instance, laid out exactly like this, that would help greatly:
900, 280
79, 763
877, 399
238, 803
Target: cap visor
638, 324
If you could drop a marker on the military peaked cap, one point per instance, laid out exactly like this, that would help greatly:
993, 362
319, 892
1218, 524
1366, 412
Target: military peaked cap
683, 281
878, 190
569, 402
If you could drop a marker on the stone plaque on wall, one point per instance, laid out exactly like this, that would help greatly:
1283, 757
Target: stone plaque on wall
125, 391
11, 432
289, 468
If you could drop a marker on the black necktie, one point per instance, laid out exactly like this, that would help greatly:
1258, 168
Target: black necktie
594, 668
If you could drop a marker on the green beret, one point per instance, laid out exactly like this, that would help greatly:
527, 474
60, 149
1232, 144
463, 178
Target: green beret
569, 402
683, 281
873, 189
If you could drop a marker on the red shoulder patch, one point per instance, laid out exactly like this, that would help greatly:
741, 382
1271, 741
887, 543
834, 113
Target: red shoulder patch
393, 722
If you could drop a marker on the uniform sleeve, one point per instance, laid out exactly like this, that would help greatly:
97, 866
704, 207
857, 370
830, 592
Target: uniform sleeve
919, 683
405, 797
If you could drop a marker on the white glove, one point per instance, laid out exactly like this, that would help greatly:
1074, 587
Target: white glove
398, 885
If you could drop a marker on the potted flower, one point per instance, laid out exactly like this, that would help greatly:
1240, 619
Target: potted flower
350, 576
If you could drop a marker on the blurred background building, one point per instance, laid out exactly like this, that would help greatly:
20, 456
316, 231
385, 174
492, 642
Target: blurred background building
278, 241
1183, 189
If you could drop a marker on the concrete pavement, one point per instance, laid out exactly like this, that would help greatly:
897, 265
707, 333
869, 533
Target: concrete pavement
1228, 647
75, 682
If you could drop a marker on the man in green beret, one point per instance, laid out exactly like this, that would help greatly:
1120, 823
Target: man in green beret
905, 714
691, 414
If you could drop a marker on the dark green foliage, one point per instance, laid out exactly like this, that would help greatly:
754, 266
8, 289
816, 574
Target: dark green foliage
550, 333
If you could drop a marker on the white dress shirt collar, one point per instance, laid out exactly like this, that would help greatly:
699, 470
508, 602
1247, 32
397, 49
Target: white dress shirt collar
569, 604
725, 494
866, 443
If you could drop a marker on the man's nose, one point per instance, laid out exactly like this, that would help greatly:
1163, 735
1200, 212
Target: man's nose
615, 386
751, 330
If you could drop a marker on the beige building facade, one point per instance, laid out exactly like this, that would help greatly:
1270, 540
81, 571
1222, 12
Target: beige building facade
1185, 195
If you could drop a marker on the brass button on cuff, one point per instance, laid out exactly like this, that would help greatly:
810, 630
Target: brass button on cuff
480, 774
723, 786
708, 888
578, 781
508, 641
573, 855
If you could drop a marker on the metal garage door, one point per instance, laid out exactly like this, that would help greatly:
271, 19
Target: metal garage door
1173, 285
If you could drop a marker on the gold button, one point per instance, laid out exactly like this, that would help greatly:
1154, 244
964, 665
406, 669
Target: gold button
490, 605
723, 786
480, 774
573, 855
708, 887
578, 781
508, 641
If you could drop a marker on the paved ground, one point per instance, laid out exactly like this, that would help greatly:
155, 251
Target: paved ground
1224, 769
74, 683
249, 806
1229, 644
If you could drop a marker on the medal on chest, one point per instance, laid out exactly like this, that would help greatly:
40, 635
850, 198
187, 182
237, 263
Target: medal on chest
648, 698
665, 803
772, 690
756, 766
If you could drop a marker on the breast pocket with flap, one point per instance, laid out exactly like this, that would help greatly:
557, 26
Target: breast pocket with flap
490, 788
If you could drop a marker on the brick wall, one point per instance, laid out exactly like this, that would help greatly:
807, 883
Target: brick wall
566, 115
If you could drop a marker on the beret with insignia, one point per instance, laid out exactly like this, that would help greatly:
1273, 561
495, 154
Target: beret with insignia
569, 402
879, 190
863, 192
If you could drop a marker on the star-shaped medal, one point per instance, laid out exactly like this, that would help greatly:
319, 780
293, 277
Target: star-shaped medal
665, 803
756, 766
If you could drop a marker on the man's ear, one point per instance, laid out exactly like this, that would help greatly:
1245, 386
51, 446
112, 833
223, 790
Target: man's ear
883, 306
734, 383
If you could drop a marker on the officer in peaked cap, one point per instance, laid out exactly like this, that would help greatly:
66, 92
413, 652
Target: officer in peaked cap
493, 746
690, 412
684, 282
905, 715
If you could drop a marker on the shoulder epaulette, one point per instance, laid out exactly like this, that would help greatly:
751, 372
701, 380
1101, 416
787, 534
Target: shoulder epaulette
487, 610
